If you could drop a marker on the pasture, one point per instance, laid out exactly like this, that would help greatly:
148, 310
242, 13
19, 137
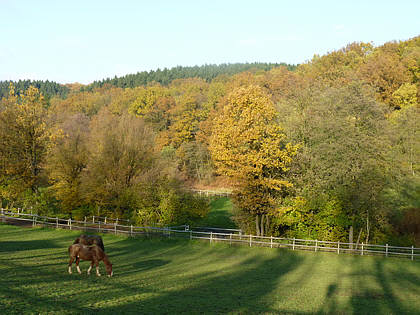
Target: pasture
219, 215
168, 276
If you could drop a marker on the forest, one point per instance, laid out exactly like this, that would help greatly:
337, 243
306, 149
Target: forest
327, 149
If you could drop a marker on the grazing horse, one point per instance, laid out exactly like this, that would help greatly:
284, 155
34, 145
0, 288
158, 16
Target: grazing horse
90, 240
92, 253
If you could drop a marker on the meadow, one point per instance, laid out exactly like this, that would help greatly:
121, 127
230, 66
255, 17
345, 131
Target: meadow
162, 276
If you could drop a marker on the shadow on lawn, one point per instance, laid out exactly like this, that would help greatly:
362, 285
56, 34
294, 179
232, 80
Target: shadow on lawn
13, 246
385, 299
374, 288
240, 291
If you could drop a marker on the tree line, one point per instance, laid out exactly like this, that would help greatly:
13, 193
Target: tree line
166, 76
47, 88
329, 150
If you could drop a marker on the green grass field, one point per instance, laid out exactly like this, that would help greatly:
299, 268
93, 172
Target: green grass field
180, 276
219, 215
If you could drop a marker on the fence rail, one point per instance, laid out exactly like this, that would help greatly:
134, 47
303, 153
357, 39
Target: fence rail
231, 238
209, 193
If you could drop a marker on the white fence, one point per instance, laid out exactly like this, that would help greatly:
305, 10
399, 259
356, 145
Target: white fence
231, 238
210, 193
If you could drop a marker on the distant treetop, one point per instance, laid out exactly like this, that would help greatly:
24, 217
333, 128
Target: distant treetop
166, 76
47, 88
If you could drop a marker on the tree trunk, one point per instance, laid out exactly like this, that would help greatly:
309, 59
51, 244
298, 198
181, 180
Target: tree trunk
257, 225
358, 238
267, 224
262, 225
367, 228
351, 237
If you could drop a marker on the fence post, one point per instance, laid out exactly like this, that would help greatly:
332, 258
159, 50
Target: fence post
293, 243
105, 220
250, 240
386, 250
230, 239
362, 248
316, 245
56, 221
115, 228
85, 223
190, 234
131, 230
412, 252
271, 241
70, 223
211, 237
93, 219
338, 247
33, 221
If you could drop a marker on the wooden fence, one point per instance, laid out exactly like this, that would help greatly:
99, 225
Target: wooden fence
231, 238
210, 193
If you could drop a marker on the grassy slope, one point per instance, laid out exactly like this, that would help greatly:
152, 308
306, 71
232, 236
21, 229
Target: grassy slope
219, 215
178, 276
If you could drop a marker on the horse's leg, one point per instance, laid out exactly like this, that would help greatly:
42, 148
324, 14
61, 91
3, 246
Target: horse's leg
90, 268
97, 268
77, 265
70, 262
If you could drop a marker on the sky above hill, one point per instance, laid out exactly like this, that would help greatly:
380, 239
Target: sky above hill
83, 41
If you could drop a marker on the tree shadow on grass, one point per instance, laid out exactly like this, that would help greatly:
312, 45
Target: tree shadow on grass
374, 288
14, 246
386, 298
242, 290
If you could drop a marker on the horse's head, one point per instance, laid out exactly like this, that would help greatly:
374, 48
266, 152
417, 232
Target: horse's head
109, 269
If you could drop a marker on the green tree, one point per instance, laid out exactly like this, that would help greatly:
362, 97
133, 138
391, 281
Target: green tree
344, 137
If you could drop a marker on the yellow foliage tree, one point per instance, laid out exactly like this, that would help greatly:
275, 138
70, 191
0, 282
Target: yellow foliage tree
249, 146
24, 138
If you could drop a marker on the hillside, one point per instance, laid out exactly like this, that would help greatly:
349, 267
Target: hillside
325, 150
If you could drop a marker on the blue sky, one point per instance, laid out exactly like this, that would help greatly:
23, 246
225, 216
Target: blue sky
82, 41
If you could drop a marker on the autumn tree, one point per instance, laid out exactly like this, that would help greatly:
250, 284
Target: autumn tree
385, 72
120, 154
24, 139
248, 145
67, 159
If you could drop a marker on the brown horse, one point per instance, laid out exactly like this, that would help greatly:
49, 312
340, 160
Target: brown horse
90, 240
92, 253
